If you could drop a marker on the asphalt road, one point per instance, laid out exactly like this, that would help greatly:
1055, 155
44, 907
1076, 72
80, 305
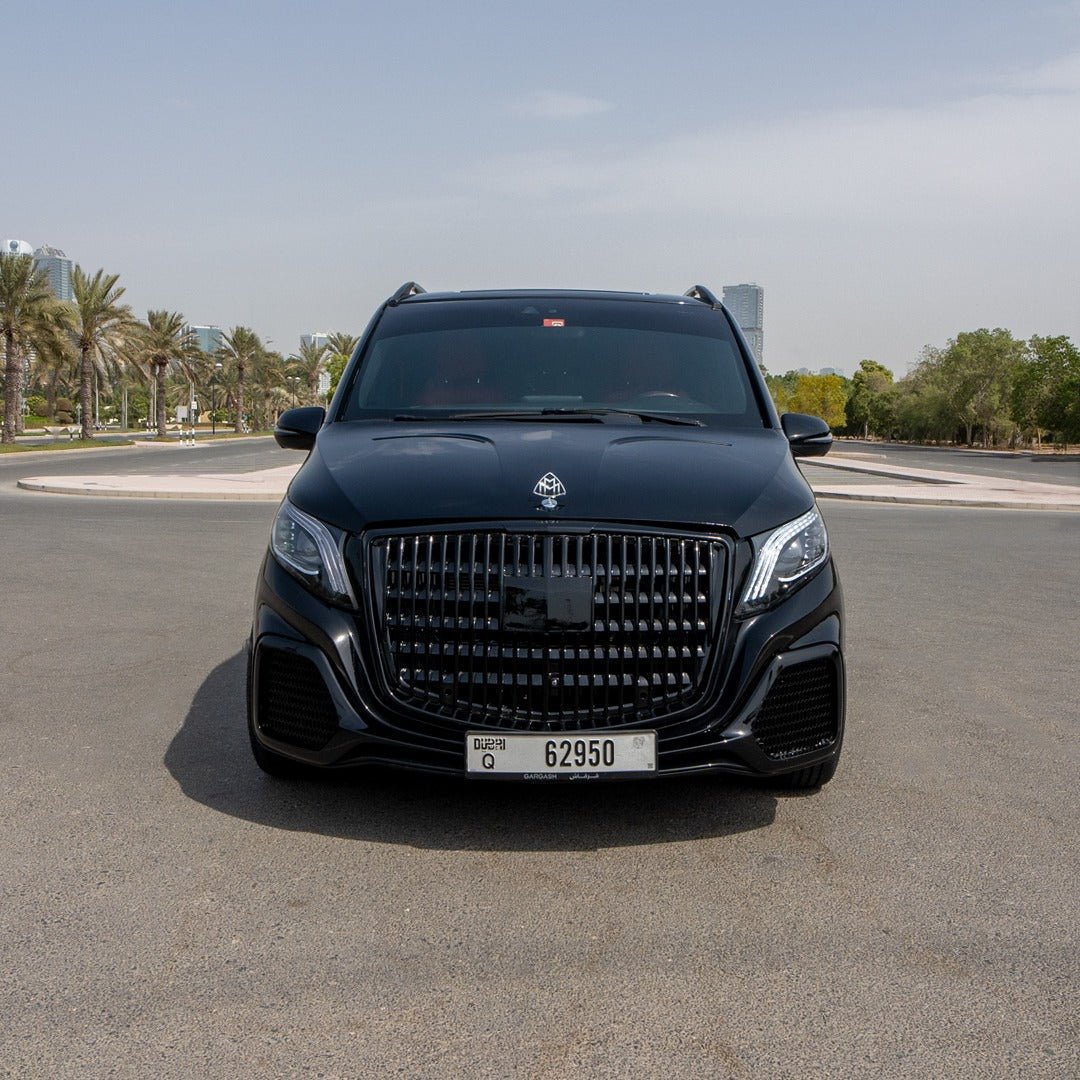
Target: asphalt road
1040, 468
242, 455
166, 909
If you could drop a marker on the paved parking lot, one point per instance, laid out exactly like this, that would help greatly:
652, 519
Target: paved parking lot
167, 909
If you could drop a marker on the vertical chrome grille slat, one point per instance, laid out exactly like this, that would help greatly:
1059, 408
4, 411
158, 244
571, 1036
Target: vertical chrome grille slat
644, 655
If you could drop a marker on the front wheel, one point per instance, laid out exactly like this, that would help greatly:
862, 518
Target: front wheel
273, 764
813, 776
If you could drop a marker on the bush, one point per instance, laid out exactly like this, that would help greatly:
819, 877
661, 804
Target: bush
37, 406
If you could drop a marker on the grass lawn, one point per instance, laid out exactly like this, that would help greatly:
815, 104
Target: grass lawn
72, 444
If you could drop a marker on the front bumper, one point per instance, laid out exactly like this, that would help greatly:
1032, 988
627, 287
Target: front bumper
805, 629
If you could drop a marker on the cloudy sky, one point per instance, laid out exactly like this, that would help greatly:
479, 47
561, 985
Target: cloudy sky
890, 177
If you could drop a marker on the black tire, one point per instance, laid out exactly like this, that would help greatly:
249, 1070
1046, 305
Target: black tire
810, 778
273, 764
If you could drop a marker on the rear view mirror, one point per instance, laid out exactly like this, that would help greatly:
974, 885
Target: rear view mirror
809, 436
296, 428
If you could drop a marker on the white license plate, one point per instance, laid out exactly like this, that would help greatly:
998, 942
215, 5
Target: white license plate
577, 753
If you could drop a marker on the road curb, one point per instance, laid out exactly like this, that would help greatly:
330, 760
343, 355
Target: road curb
32, 484
974, 504
134, 444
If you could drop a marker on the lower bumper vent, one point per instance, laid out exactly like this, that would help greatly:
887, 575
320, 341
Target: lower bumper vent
293, 703
799, 713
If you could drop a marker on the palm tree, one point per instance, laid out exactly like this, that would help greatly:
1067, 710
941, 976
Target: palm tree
240, 349
341, 348
307, 364
30, 318
341, 343
267, 378
166, 342
54, 364
104, 330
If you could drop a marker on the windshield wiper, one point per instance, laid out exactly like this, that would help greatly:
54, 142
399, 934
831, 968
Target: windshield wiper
657, 417
580, 415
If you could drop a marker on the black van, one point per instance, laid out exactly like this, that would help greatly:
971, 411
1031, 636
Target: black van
550, 536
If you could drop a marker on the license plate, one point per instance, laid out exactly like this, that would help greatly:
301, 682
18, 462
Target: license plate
541, 757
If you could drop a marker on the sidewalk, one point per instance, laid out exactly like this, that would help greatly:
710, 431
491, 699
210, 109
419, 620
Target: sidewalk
266, 485
895, 484
935, 487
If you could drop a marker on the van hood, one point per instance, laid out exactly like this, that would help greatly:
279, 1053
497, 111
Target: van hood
380, 473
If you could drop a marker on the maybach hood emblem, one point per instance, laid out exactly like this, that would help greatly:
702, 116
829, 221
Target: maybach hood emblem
550, 488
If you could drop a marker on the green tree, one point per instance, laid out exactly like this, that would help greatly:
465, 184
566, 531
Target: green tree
978, 368
871, 404
167, 343
781, 387
55, 365
103, 330
138, 406
921, 407
1046, 388
267, 387
341, 347
240, 351
821, 395
30, 318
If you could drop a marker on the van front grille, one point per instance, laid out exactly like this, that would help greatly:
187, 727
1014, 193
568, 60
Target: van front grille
547, 631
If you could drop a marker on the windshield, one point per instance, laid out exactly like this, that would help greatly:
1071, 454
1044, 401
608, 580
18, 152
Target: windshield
531, 354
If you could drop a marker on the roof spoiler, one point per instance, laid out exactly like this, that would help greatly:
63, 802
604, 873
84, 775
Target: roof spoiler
410, 288
706, 296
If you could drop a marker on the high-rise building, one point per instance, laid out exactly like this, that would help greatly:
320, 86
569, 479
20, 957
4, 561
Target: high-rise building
314, 339
17, 247
208, 338
746, 303
58, 267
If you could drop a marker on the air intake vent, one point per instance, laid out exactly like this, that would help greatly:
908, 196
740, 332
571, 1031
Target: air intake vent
293, 703
800, 711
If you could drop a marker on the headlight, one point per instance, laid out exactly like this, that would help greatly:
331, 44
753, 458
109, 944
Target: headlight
783, 560
309, 551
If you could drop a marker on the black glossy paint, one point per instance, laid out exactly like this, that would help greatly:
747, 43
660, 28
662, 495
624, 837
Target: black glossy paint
376, 473
809, 435
384, 474
296, 428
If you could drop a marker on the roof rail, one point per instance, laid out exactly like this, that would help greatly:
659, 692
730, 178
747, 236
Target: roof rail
410, 288
706, 296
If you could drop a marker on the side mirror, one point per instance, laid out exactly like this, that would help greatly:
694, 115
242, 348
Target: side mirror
809, 436
296, 428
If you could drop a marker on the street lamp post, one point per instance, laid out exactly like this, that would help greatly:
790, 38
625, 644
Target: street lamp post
213, 399
294, 382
